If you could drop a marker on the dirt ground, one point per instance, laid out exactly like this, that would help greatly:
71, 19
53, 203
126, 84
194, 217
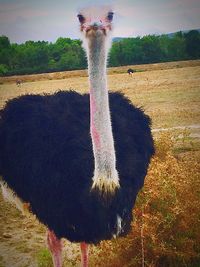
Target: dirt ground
169, 93
22, 238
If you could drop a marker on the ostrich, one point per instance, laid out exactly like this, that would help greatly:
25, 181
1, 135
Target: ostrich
130, 72
61, 157
18, 83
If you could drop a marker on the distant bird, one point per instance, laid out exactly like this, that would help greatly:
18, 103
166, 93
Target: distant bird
130, 71
18, 83
60, 154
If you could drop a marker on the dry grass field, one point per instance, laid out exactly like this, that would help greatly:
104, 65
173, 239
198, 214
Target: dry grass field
170, 94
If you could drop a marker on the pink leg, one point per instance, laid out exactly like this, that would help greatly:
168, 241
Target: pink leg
55, 246
84, 254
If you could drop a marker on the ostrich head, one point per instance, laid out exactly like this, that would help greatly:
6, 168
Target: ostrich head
96, 24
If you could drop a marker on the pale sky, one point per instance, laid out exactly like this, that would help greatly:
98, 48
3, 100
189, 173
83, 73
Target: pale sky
23, 20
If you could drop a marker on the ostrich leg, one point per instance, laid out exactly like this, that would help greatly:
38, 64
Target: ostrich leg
55, 246
84, 254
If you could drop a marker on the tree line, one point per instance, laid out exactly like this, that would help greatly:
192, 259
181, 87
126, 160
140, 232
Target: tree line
67, 54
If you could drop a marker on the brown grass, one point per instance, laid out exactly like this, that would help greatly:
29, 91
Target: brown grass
165, 231
169, 92
113, 70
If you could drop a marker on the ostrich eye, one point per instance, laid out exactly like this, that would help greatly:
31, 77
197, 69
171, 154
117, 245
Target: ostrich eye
110, 16
81, 18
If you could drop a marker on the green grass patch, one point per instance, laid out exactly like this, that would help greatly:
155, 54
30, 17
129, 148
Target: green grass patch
44, 258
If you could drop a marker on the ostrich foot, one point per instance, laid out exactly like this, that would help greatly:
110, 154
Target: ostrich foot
55, 246
84, 254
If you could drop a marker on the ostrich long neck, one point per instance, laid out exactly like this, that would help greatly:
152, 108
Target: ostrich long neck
100, 122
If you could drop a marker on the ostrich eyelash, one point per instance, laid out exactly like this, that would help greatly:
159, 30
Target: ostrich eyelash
110, 16
81, 18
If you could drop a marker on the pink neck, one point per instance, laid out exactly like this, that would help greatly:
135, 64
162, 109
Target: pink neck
100, 121
94, 132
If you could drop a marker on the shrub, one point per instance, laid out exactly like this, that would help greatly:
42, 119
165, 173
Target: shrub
165, 231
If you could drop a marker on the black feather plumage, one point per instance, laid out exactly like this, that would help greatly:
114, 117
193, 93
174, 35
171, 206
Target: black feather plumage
46, 157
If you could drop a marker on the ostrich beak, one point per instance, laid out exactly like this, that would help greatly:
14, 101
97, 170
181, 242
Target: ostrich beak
96, 25
95, 28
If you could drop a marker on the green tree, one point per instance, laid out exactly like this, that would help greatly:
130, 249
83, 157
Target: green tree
68, 54
3, 69
151, 49
4, 42
192, 39
177, 47
5, 49
116, 54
